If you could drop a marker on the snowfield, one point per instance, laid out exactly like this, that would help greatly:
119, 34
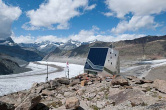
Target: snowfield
17, 82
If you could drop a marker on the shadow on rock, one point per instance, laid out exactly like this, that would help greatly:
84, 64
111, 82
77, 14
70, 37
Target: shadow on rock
40, 106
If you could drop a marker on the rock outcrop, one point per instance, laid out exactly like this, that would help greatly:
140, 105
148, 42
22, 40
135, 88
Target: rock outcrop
130, 93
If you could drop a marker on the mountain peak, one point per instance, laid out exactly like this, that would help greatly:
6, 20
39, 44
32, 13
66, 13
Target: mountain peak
8, 41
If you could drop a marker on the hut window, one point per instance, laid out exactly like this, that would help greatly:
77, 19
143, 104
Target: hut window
111, 63
115, 54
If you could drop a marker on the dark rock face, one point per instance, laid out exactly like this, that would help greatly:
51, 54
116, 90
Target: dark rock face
17, 51
5, 106
8, 66
40, 106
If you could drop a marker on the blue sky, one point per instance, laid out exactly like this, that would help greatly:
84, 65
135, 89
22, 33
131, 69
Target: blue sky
84, 20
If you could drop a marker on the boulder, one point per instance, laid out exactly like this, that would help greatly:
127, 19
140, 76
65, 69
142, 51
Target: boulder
83, 83
31, 101
54, 84
75, 82
72, 103
101, 104
47, 93
89, 83
6, 106
160, 85
69, 94
63, 81
136, 102
34, 85
119, 81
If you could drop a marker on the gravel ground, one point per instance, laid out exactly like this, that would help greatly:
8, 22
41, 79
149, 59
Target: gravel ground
157, 73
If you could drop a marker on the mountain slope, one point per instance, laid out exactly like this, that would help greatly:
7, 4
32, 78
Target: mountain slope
10, 48
8, 66
150, 46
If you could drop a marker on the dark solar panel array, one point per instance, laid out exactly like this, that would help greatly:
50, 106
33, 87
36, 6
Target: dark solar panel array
98, 55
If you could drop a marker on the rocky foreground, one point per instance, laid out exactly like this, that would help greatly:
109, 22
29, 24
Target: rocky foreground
89, 92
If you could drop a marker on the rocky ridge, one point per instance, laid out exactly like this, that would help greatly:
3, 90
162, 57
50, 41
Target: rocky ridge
90, 92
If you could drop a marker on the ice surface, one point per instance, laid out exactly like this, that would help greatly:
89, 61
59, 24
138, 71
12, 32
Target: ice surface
14, 83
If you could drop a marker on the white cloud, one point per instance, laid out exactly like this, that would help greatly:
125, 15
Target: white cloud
7, 15
142, 11
108, 14
135, 23
90, 35
23, 39
90, 7
82, 36
51, 38
55, 12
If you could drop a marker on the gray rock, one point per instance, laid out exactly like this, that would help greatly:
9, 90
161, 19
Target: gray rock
47, 93
72, 103
136, 102
69, 94
101, 104
54, 84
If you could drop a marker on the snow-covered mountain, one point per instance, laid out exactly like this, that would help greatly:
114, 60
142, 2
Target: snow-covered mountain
8, 42
48, 46
45, 46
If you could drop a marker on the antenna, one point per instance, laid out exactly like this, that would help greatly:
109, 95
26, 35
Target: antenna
112, 47
67, 67
47, 73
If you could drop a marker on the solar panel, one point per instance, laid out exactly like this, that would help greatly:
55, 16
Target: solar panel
98, 55
96, 58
